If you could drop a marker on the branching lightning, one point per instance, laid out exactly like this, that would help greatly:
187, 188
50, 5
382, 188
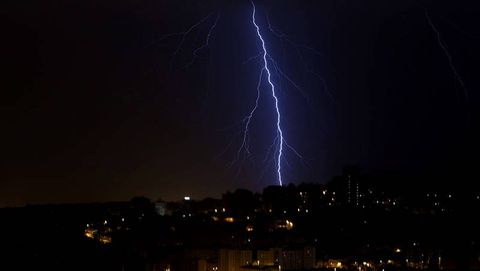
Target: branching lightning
298, 50
184, 34
207, 42
284, 75
442, 45
269, 68
248, 118
285, 37
275, 98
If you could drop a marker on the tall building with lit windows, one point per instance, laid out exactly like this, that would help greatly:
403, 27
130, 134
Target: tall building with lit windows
353, 190
350, 179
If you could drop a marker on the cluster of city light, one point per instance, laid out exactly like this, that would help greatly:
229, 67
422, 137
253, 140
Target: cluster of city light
105, 239
364, 265
229, 219
90, 233
101, 236
289, 224
285, 224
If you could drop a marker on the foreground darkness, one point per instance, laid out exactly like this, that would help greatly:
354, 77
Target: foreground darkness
380, 227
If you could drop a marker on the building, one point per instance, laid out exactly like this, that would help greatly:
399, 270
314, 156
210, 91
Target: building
234, 259
266, 258
297, 259
353, 191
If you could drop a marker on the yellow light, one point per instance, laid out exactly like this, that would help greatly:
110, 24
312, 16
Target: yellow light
398, 250
90, 233
288, 224
105, 239
229, 219
249, 228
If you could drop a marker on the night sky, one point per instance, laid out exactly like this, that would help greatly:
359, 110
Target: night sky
95, 108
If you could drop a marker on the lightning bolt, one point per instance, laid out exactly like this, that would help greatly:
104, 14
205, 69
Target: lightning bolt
284, 37
442, 45
248, 118
184, 34
268, 65
207, 42
275, 98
